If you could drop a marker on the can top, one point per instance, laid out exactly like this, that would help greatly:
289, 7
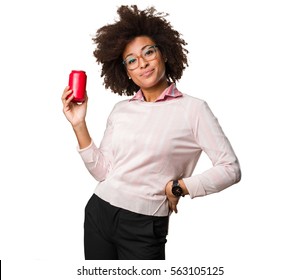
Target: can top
78, 71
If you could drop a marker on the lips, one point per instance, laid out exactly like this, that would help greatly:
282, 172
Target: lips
147, 73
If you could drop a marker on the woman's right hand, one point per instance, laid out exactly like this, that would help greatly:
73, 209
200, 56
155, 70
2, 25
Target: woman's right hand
74, 112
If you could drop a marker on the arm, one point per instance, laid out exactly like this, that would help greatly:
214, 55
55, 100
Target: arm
96, 160
212, 140
75, 114
172, 199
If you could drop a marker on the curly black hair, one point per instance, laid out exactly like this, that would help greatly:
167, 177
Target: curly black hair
112, 39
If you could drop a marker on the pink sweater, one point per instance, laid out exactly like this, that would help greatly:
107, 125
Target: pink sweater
147, 144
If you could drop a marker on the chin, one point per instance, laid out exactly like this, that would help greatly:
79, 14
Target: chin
148, 84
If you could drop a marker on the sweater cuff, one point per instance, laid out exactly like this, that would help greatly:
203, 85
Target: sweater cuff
194, 186
87, 152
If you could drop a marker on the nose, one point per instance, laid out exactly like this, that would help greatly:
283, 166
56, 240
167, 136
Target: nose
142, 62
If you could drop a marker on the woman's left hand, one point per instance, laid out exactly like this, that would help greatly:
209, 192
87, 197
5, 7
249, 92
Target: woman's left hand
172, 199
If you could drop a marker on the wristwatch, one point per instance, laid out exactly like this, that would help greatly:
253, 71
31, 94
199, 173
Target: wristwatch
176, 189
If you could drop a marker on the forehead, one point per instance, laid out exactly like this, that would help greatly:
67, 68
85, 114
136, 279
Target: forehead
135, 46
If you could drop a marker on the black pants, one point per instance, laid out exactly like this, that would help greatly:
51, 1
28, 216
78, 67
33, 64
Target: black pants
112, 233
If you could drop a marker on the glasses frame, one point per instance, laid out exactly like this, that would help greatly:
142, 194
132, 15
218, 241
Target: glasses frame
155, 47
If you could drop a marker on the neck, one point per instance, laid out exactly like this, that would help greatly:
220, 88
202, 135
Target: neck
151, 94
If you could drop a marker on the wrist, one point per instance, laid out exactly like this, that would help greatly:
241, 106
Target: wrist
183, 186
79, 126
178, 188
82, 135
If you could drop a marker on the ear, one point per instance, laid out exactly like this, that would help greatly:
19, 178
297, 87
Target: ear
129, 77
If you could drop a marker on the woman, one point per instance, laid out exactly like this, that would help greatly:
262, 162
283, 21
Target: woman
152, 141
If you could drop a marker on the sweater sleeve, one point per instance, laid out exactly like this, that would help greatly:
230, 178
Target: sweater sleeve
98, 160
225, 170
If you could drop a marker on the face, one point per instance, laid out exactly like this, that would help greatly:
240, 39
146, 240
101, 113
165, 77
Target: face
148, 72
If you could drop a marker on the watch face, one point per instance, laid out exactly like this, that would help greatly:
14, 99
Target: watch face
177, 191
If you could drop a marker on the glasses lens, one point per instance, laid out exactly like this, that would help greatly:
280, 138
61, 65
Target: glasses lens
149, 53
132, 61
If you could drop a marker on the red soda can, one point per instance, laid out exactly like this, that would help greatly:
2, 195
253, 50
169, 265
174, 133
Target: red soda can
77, 82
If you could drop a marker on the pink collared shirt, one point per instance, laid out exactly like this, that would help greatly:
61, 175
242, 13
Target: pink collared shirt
168, 94
147, 144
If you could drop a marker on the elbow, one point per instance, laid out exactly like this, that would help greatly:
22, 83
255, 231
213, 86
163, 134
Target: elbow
238, 175
99, 177
99, 171
232, 173
237, 172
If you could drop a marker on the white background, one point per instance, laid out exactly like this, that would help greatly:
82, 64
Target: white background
244, 61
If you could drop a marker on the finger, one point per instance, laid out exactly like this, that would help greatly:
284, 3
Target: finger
173, 207
67, 91
67, 88
170, 206
68, 99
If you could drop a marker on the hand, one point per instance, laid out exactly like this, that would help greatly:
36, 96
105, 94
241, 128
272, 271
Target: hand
75, 113
172, 199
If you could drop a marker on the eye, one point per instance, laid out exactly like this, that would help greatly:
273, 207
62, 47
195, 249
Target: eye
149, 52
130, 60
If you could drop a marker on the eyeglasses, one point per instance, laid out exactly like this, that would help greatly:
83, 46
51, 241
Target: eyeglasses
131, 62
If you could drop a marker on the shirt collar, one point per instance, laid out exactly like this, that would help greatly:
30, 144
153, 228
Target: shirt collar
169, 93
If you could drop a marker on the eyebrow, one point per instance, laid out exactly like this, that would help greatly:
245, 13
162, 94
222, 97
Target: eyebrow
141, 50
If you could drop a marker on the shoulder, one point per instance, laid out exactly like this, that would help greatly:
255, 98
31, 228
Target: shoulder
191, 102
191, 98
120, 105
117, 108
195, 109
